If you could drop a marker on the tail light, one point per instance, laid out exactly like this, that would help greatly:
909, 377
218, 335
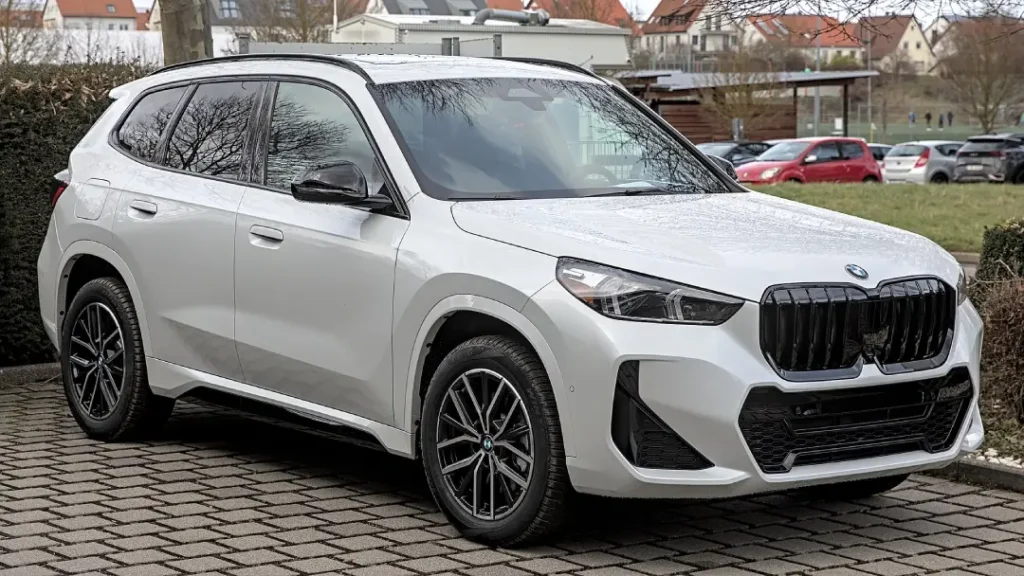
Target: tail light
997, 153
922, 160
60, 184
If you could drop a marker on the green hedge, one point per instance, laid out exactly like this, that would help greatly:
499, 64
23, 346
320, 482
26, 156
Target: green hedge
1002, 258
44, 112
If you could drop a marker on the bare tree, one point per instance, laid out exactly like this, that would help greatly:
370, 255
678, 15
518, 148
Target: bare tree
293, 20
982, 68
744, 90
185, 27
22, 37
596, 10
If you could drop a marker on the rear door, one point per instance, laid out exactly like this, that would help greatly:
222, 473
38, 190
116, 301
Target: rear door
827, 166
175, 226
854, 161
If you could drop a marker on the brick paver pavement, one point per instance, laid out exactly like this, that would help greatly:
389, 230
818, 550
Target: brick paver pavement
221, 494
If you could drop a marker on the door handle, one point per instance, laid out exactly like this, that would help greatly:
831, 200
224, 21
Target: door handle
143, 206
272, 234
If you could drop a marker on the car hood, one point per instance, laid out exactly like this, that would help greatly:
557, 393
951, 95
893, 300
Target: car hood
737, 244
759, 166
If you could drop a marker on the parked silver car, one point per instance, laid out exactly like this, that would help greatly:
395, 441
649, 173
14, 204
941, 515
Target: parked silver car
922, 162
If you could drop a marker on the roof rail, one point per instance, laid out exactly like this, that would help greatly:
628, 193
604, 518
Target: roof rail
552, 64
321, 58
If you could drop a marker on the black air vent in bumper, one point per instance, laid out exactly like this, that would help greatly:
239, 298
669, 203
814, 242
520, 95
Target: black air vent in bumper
642, 437
821, 332
788, 429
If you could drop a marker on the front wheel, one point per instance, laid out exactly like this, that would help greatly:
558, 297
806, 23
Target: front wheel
492, 445
870, 180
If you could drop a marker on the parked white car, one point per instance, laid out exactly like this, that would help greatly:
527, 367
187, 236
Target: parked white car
923, 162
420, 252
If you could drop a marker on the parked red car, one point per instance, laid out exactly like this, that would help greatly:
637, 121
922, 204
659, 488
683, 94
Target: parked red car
813, 160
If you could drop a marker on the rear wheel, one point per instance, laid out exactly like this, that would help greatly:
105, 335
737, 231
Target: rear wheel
104, 366
853, 490
491, 443
1019, 177
940, 178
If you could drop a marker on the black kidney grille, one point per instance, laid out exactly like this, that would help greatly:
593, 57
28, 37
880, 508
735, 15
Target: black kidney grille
787, 429
815, 328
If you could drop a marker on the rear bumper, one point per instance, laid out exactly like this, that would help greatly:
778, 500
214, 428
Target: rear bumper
47, 269
914, 176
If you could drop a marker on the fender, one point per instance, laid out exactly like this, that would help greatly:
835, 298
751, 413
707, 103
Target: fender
93, 248
407, 396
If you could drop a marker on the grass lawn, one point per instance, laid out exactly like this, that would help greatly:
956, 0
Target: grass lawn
954, 216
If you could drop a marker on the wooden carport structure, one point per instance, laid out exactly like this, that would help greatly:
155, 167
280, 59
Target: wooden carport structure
677, 96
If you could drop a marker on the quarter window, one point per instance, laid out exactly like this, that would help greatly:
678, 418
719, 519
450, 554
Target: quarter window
141, 132
312, 127
210, 136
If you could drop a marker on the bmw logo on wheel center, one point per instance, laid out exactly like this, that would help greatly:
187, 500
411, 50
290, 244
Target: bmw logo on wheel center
857, 271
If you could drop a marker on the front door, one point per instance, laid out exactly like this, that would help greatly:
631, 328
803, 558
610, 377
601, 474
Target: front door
827, 165
314, 282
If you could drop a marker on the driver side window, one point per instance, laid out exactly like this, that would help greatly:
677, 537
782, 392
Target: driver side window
312, 127
826, 152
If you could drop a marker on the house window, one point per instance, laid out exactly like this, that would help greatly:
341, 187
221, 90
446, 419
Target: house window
124, 26
229, 8
695, 40
718, 22
918, 45
111, 9
906, 45
419, 11
677, 39
110, 26
661, 43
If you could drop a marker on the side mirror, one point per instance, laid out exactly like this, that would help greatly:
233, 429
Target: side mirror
724, 165
342, 183
811, 159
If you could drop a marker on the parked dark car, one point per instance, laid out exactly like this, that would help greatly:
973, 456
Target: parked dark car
739, 153
991, 158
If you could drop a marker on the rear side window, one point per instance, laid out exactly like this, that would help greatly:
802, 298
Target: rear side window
141, 132
210, 136
852, 150
948, 149
907, 151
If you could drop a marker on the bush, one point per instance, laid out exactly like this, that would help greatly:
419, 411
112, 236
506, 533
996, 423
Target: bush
1002, 259
44, 112
1002, 360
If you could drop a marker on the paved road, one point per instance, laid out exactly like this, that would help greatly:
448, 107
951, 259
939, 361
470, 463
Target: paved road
220, 494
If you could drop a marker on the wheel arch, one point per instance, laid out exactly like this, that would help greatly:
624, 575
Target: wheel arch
86, 260
502, 317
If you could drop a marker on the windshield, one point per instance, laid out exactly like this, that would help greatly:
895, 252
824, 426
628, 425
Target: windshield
783, 152
906, 150
512, 138
716, 149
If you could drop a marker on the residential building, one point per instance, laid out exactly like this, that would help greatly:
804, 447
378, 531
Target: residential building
896, 38
604, 11
21, 14
690, 30
581, 42
997, 27
142, 19
807, 34
119, 15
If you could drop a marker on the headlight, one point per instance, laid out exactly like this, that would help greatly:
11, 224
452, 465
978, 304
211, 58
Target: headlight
628, 296
769, 173
961, 287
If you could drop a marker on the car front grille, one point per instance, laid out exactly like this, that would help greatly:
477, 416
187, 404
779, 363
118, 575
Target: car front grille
788, 429
820, 332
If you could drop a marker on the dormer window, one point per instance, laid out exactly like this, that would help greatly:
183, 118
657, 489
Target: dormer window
111, 9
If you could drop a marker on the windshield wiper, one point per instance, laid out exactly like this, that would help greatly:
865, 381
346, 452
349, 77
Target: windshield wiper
647, 189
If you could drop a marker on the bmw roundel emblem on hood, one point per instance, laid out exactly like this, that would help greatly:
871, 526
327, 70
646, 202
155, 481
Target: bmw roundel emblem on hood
857, 271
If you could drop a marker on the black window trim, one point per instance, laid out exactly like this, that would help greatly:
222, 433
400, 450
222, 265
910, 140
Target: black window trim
860, 146
114, 138
262, 136
193, 84
839, 152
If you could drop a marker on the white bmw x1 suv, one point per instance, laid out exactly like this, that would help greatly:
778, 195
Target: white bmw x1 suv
513, 271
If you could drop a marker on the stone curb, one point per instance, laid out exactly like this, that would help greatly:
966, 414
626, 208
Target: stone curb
30, 373
966, 257
980, 472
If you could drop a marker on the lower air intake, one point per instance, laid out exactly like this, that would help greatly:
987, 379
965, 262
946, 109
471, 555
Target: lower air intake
643, 438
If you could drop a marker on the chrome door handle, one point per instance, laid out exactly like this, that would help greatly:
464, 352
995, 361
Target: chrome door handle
272, 234
143, 206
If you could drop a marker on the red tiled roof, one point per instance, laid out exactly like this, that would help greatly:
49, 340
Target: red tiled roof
505, 4
21, 18
673, 16
97, 8
608, 11
802, 31
142, 19
884, 31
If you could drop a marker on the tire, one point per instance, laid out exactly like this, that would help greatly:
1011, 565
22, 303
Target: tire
795, 181
870, 180
135, 410
940, 178
853, 490
1019, 177
513, 374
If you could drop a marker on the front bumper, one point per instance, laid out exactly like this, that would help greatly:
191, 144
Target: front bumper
696, 379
